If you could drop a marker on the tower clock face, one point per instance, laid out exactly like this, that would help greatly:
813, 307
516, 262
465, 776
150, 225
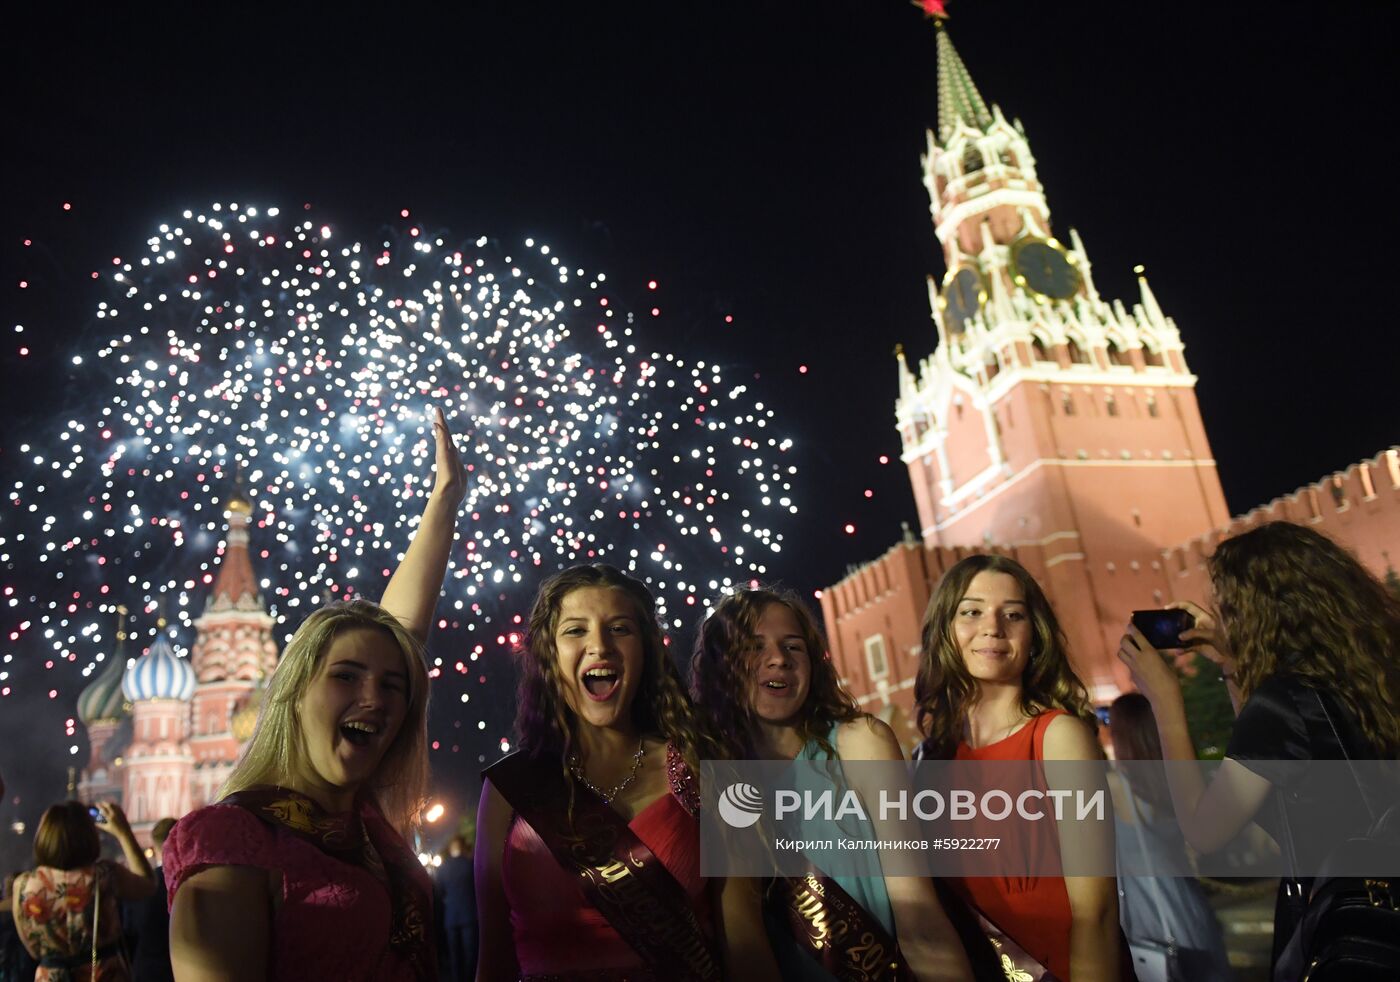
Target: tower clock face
1045, 269
963, 296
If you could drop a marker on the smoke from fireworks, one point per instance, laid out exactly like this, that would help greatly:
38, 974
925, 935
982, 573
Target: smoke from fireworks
244, 344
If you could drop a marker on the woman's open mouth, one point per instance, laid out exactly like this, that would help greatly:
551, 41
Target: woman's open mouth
601, 684
359, 733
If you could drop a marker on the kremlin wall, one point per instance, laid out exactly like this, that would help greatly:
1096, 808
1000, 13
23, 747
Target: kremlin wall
1053, 426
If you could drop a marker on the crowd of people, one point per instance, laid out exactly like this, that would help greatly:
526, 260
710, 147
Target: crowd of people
587, 863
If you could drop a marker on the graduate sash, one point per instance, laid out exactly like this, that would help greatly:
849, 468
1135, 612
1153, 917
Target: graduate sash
618, 874
832, 927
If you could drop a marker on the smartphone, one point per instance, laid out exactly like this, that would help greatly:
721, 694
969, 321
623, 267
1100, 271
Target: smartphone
96, 813
1163, 628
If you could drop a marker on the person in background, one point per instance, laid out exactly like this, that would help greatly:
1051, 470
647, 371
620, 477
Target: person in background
995, 684
456, 892
148, 921
66, 909
302, 869
1308, 641
1167, 905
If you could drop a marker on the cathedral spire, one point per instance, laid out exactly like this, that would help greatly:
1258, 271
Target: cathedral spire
236, 582
958, 98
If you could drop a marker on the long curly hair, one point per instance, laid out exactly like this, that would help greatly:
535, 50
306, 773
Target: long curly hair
1292, 600
545, 726
945, 692
722, 673
276, 752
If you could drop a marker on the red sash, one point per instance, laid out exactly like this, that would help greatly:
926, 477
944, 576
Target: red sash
348, 839
618, 874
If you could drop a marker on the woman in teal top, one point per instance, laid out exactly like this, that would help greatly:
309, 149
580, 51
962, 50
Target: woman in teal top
762, 678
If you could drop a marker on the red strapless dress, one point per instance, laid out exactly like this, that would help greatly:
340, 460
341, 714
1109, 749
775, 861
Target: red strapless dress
556, 931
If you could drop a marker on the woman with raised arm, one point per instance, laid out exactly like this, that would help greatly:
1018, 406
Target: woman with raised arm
588, 846
65, 909
1308, 641
995, 684
302, 869
762, 678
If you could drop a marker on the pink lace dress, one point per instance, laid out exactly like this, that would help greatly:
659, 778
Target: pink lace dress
335, 918
56, 917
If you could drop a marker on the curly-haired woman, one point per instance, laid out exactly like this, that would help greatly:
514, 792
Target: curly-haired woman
588, 845
1309, 644
764, 681
995, 684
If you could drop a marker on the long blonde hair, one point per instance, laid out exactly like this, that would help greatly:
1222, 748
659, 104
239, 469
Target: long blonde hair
943, 689
276, 752
1293, 601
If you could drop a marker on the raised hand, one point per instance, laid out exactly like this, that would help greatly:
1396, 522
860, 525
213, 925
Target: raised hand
449, 474
1208, 636
1152, 675
113, 820
412, 592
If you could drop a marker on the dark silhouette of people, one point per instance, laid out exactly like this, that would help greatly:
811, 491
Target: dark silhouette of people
457, 890
148, 921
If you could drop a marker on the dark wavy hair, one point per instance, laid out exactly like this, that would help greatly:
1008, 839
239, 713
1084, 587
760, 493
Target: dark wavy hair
544, 723
1292, 600
722, 671
945, 692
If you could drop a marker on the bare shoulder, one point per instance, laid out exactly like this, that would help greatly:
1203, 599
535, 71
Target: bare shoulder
242, 883
1070, 738
867, 738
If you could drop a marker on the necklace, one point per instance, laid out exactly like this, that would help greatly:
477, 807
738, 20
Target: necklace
611, 793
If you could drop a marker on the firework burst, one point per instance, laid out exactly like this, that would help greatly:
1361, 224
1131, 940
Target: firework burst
243, 344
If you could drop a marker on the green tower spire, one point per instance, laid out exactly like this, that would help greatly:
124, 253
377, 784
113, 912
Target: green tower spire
958, 98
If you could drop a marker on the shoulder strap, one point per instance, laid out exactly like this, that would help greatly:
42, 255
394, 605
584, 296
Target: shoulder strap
1341, 744
619, 875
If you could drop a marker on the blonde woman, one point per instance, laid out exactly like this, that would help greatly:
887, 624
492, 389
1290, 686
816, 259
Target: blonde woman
302, 870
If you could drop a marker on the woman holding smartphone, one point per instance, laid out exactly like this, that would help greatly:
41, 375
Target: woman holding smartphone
1308, 640
65, 909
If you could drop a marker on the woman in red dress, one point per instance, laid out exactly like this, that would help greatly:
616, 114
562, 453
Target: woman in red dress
995, 683
588, 845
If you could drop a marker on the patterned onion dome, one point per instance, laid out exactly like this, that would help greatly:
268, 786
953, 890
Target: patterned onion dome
103, 698
159, 674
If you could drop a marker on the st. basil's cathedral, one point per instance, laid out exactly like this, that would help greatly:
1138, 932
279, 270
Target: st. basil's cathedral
164, 731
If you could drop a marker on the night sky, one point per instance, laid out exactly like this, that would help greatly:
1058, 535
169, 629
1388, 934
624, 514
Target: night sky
759, 161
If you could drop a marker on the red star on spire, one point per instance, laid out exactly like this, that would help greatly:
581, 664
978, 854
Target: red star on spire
937, 9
